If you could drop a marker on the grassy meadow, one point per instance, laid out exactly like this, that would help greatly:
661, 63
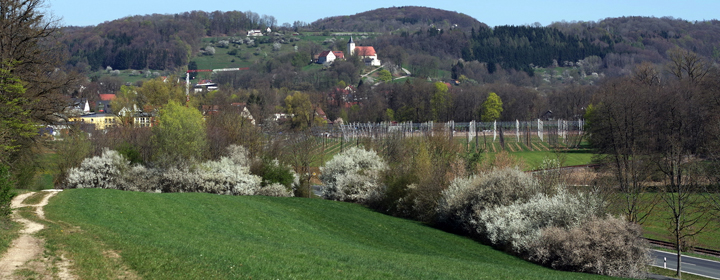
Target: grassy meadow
658, 224
204, 236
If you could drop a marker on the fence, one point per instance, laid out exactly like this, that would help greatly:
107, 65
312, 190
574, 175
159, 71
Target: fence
513, 136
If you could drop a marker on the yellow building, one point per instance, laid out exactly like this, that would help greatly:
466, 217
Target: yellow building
101, 121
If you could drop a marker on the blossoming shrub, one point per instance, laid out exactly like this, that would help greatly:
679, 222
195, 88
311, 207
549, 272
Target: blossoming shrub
516, 226
354, 176
141, 179
104, 171
607, 246
542, 223
460, 202
229, 175
275, 189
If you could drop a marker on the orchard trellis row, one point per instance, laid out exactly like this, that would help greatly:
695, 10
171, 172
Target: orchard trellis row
491, 136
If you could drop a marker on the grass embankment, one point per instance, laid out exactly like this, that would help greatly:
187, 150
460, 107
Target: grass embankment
204, 236
671, 273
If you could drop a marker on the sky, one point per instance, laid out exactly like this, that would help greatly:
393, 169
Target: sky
492, 13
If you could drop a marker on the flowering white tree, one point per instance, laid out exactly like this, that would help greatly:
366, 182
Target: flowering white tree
354, 176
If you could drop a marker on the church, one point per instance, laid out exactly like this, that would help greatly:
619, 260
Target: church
367, 54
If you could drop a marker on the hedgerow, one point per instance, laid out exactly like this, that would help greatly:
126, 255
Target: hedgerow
228, 175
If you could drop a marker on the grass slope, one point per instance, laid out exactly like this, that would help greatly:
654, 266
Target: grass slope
203, 236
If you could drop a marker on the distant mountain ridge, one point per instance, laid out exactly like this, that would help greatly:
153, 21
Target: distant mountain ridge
394, 18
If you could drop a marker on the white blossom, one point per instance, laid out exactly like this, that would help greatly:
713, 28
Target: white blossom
353, 175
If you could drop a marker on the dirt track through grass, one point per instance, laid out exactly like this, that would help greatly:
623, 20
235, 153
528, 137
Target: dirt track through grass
25, 252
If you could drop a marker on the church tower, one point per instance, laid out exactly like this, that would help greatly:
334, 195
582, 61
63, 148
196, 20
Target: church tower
351, 46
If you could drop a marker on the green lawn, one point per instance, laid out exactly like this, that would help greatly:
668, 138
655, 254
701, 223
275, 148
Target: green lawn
204, 236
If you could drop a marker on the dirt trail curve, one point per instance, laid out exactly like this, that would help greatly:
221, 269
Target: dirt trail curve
26, 247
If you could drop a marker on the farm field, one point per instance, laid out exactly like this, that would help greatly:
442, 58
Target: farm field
204, 236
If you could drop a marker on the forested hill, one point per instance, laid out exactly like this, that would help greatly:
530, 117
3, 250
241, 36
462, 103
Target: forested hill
154, 41
398, 18
406, 34
648, 38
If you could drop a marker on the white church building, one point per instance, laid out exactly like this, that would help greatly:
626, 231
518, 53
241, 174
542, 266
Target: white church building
366, 53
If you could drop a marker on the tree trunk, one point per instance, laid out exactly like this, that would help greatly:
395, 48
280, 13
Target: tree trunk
679, 255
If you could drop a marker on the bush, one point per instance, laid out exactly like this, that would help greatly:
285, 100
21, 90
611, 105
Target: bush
274, 190
546, 224
141, 179
272, 172
606, 246
229, 175
516, 226
353, 176
6, 195
104, 171
225, 176
465, 197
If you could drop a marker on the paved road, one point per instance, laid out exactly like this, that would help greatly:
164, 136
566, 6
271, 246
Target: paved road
710, 269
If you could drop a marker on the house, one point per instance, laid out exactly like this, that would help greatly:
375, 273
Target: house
137, 117
240, 108
77, 107
107, 97
343, 97
244, 112
254, 32
205, 85
321, 114
366, 53
326, 57
103, 106
101, 121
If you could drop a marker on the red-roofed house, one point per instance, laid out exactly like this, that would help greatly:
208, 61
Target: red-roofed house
326, 56
107, 97
339, 55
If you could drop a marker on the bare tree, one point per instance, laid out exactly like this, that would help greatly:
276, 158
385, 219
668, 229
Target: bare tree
687, 65
618, 128
679, 134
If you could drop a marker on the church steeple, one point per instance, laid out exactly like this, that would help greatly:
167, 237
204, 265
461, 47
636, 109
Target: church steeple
351, 46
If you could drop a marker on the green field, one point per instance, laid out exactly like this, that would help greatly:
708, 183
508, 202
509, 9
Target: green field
204, 236
658, 224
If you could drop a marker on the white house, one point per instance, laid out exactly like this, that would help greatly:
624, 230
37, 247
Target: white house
255, 32
326, 56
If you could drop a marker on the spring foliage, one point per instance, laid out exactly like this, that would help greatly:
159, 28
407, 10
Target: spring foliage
512, 211
6, 195
228, 175
353, 175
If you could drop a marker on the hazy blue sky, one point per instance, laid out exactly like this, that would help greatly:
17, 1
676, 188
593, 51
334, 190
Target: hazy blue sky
493, 13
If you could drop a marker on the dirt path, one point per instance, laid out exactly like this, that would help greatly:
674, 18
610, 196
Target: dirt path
27, 248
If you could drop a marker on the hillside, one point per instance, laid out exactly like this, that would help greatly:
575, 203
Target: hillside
203, 236
397, 18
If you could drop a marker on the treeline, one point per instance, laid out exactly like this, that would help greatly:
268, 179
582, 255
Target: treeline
153, 41
649, 38
520, 47
398, 18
